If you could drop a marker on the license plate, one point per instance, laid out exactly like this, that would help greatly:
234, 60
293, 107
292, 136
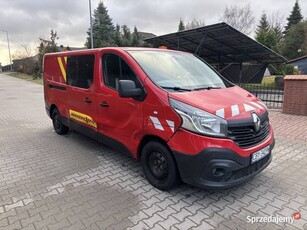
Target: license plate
260, 154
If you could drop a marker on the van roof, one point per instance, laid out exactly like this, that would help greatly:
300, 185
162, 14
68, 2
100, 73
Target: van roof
96, 50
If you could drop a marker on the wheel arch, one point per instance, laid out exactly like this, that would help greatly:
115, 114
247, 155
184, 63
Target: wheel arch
148, 138
52, 107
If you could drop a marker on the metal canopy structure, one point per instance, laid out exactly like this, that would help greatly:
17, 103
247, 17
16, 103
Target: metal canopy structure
221, 46
218, 43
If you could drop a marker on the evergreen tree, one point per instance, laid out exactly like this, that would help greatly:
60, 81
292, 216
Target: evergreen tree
263, 24
291, 46
118, 40
294, 18
103, 28
135, 38
304, 44
126, 36
261, 36
263, 31
271, 39
268, 34
268, 38
278, 32
181, 26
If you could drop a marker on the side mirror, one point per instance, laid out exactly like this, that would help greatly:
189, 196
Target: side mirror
127, 89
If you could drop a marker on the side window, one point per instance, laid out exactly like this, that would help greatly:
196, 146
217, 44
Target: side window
111, 70
115, 69
80, 70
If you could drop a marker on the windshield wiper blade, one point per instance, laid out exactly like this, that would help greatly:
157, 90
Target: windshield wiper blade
176, 88
208, 88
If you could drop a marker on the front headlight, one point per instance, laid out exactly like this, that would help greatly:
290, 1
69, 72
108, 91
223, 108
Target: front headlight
199, 121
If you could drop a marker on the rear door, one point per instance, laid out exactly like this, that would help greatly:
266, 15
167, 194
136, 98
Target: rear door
82, 104
121, 118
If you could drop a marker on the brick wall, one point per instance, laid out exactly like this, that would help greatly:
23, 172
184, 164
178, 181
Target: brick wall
295, 95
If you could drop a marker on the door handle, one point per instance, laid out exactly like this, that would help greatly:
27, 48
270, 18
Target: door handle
87, 100
104, 104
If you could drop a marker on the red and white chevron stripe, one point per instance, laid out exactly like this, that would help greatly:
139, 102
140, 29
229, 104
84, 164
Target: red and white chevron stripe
235, 110
157, 124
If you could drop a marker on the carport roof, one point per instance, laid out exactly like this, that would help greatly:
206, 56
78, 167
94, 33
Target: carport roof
218, 43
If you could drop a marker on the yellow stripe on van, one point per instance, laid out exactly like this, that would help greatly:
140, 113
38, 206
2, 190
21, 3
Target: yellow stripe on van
62, 68
83, 118
65, 59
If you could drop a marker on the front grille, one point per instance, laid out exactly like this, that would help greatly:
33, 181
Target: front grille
246, 136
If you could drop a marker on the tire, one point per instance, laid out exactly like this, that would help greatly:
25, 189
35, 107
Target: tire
159, 166
58, 126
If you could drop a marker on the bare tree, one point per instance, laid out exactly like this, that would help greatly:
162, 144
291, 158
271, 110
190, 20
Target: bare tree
241, 18
277, 23
24, 51
24, 59
195, 24
277, 20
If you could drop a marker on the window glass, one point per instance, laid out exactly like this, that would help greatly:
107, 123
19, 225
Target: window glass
175, 69
80, 70
115, 69
111, 70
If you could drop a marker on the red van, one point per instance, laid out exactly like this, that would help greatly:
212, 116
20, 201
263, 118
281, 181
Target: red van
169, 109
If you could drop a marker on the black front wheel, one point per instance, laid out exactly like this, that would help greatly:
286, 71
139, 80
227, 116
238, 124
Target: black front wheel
58, 126
159, 166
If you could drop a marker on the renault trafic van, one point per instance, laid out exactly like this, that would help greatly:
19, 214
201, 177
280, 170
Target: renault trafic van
169, 109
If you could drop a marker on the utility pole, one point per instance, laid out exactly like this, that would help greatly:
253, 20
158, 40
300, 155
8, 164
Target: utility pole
91, 24
8, 45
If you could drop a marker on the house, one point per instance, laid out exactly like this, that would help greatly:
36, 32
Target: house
25, 65
143, 36
146, 35
5, 68
300, 64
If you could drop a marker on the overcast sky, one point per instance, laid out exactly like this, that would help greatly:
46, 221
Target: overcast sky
27, 20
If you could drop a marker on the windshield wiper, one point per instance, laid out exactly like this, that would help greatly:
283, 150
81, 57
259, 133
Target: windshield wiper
208, 88
176, 88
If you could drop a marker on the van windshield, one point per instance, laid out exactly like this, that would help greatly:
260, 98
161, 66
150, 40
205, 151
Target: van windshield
177, 71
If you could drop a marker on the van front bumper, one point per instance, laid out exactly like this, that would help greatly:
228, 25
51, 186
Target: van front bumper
219, 168
48, 110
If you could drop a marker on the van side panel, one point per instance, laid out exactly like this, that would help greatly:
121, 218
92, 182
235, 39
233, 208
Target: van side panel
55, 87
159, 118
55, 68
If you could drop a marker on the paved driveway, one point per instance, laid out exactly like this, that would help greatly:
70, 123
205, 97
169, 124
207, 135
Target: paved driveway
49, 181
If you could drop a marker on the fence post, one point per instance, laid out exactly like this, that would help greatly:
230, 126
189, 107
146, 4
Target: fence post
295, 95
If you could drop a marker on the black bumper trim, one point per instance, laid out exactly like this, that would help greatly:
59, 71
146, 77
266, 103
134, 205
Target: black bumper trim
218, 168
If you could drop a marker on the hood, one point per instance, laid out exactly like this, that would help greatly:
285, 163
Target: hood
228, 103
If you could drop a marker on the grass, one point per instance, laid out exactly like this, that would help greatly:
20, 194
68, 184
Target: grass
269, 81
24, 77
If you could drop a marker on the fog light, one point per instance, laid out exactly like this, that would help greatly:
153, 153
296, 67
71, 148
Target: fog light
218, 172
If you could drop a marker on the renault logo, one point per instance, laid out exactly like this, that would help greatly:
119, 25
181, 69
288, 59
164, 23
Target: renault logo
257, 122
